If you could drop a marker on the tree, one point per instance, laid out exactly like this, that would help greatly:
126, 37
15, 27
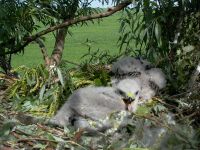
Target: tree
16, 22
57, 14
167, 32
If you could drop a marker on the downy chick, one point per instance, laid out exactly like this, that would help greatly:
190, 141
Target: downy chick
88, 107
127, 65
151, 79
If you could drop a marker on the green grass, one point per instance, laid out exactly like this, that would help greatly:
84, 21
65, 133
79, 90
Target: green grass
104, 35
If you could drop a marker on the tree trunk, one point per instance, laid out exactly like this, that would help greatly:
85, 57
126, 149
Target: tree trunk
5, 63
58, 47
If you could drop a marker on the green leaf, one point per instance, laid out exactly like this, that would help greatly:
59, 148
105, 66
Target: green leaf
188, 48
97, 82
60, 77
56, 138
6, 128
158, 32
39, 146
42, 90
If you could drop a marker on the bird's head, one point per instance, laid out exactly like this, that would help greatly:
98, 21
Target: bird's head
129, 89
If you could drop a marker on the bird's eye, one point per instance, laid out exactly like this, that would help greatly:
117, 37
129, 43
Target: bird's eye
120, 92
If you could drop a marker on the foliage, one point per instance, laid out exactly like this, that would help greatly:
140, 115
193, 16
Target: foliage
97, 65
98, 57
151, 120
104, 35
16, 21
20, 19
38, 90
143, 131
167, 33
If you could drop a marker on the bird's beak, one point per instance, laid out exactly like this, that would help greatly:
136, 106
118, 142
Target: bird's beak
132, 107
129, 98
129, 94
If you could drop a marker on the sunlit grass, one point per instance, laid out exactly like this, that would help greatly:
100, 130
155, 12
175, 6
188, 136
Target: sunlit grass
103, 35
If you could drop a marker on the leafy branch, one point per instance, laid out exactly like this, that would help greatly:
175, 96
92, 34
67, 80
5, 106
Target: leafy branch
70, 22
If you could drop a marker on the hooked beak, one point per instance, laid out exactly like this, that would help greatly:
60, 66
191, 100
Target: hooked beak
128, 100
132, 107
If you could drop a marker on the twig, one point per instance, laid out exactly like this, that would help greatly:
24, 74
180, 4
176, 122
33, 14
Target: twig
23, 132
9, 145
53, 131
180, 94
162, 102
152, 119
18, 137
78, 135
189, 116
36, 139
47, 140
163, 125
70, 62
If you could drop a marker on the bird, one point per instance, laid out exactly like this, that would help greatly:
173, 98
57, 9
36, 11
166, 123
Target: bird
134, 80
88, 107
127, 66
151, 79
157, 76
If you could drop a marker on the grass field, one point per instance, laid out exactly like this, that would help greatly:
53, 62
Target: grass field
104, 35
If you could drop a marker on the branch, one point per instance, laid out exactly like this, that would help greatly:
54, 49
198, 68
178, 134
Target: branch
70, 22
43, 50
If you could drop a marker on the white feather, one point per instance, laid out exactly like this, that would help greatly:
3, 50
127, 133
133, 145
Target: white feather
157, 76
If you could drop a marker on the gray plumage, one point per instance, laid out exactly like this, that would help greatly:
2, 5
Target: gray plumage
157, 76
147, 65
151, 79
127, 65
132, 77
146, 92
94, 103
